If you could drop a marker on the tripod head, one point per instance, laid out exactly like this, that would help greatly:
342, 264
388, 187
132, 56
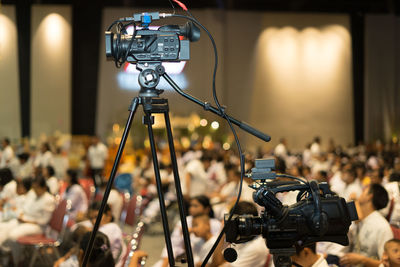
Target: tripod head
149, 77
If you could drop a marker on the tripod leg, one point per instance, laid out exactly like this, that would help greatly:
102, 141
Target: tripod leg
164, 218
135, 102
185, 230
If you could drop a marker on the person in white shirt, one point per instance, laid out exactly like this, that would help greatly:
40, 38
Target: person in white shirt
316, 147
306, 256
8, 186
196, 181
111, 230
51, 181
199, 205
202, 229
281, 150
392, 210
33, 218
13, 207
372, 232
7, 155
353, 188
45, 157
76, 194
97, 156
25, 168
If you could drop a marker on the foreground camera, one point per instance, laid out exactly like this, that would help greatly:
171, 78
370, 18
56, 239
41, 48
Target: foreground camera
167, 43
318, 215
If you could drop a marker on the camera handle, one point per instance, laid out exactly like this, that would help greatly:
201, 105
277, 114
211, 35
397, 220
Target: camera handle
319, 219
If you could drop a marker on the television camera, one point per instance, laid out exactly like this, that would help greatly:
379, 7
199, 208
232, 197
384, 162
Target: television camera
318, 215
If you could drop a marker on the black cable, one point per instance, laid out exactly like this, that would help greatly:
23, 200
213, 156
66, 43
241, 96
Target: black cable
293, 177
223, 114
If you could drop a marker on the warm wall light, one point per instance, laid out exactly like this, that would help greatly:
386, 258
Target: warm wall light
53, 25
313, 54
6, 25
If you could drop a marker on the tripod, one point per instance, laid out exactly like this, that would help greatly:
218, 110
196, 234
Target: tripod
148, 97
151, 102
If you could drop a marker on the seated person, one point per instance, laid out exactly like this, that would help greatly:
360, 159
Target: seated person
52, 181
101, 253
307, 257
201, 228
391, 254
13, 207
111, 229
371, 233
33, 218
7, 185
76, 194
199, 205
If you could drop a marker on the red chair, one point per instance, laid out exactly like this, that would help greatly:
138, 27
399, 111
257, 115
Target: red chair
88, 187
58, 223
133, 209
396, 231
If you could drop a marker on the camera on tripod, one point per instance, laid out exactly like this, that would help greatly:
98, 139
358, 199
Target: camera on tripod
318, 215
167, 43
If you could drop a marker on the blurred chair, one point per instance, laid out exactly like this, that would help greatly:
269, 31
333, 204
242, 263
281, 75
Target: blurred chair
134, 243
88, 186
58, 224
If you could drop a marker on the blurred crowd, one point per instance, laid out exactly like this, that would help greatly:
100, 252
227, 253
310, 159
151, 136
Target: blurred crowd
33, 181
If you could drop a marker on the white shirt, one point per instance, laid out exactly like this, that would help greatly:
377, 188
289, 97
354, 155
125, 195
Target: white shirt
217, 172
336, 183
6, 156
280, 151
350, 189
198, 180
116, 202
53, 185
9, 190
315, 149
44, 159
393, 190
79, 201
373, 232
178, 245
251, 254
200, 254
38, 209
97, 155
321, 262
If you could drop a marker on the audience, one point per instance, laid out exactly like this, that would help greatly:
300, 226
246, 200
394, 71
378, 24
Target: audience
360, 173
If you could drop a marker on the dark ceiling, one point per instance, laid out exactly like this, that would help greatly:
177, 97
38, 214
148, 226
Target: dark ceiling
342, 6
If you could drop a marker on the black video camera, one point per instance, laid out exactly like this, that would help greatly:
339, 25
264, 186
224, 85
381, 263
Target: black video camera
167, 43
318, 215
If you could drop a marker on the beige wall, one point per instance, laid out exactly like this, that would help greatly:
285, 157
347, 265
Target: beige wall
288, 75
51, 69
296, 77
9, 83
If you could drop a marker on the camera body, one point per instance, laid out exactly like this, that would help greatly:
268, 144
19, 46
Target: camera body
168, 43
296, 226
148, 45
